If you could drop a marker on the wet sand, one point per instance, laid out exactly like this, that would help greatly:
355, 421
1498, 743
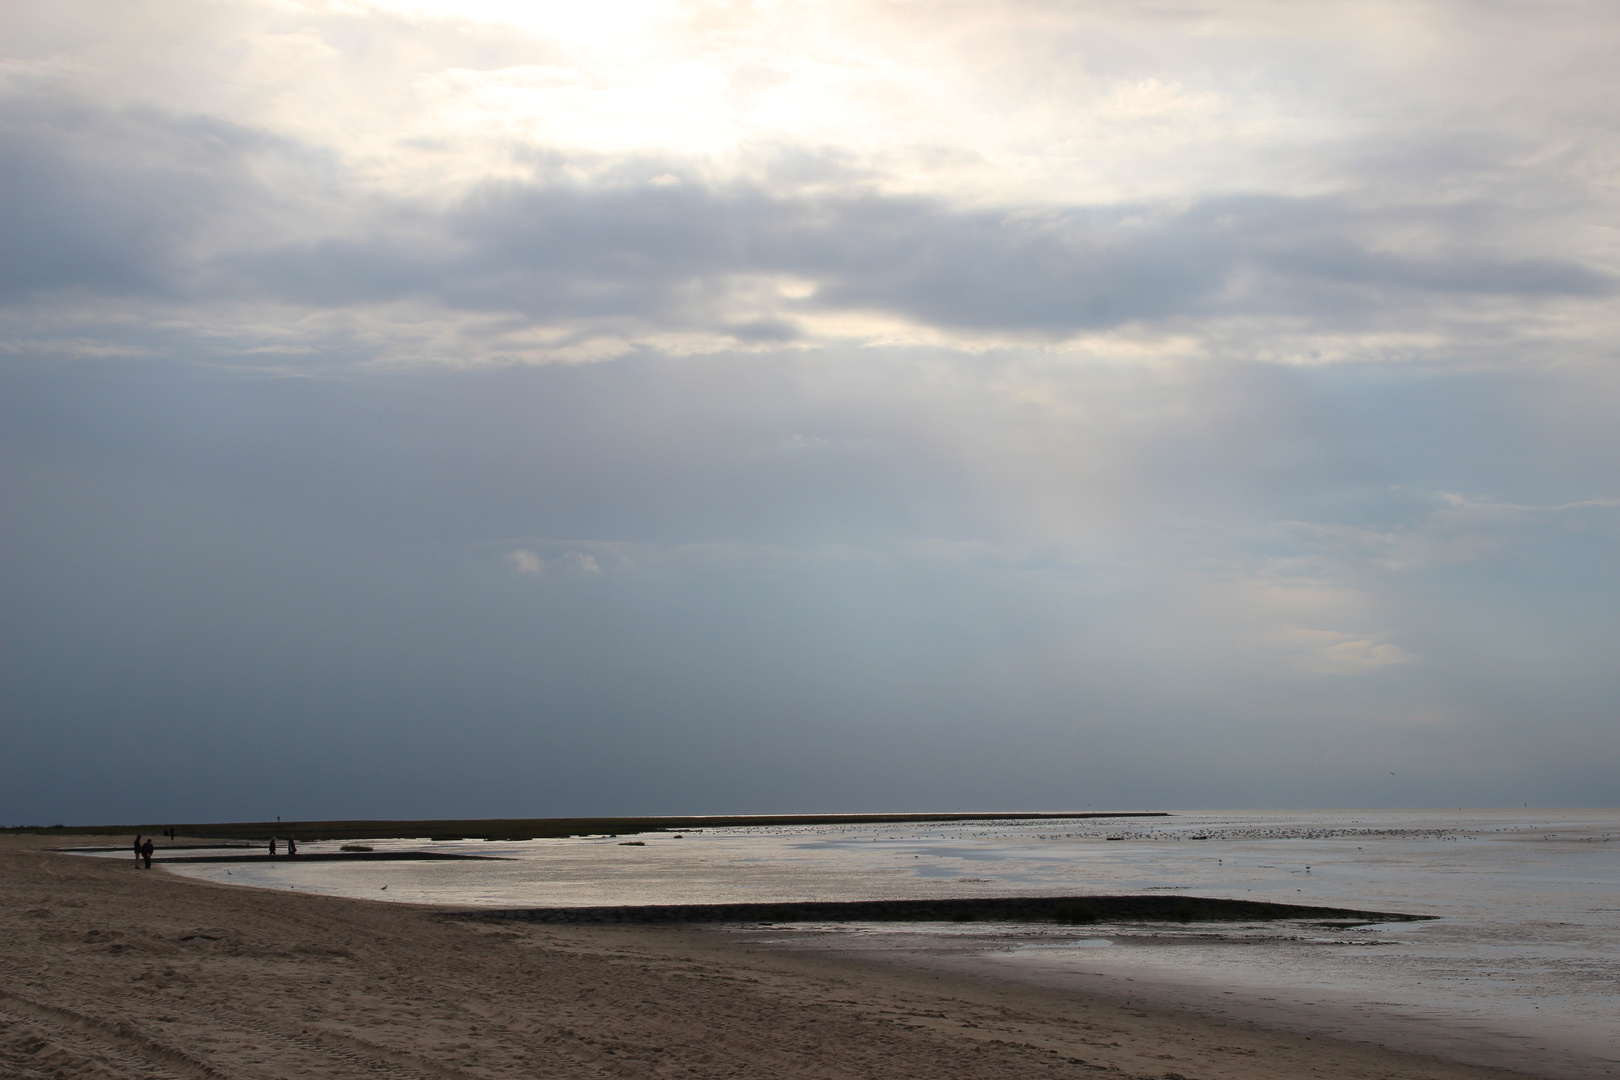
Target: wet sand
995, 958
113, 971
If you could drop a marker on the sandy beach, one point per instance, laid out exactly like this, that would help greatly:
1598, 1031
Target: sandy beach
114, 971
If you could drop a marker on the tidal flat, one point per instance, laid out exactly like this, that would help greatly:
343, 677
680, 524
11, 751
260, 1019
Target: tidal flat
1517, 965
112, 970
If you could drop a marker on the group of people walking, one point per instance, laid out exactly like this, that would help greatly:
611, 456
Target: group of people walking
144, 848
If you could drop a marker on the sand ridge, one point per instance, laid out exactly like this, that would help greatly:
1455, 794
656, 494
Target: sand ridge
113, 971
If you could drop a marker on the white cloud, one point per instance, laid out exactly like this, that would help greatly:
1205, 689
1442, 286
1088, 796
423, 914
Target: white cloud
1336, 653
527, 562
567, 560
578, 562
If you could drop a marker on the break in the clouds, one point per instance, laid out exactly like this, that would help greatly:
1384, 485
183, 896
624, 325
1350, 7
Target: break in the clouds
675, 406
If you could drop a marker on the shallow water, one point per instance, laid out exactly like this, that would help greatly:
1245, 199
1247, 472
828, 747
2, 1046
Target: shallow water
1526, 949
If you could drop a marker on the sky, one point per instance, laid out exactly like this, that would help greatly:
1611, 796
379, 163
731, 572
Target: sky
540, 409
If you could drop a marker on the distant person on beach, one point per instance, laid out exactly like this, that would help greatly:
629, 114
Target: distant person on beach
272, 845
137, 849
292, 846
146, 852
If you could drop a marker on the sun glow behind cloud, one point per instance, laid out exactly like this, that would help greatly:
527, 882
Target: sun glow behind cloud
972, 101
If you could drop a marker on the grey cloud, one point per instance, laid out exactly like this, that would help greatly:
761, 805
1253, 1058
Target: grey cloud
152, 204
131, 203
666, 256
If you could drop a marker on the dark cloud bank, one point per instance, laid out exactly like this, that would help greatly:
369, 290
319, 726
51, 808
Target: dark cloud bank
786, 583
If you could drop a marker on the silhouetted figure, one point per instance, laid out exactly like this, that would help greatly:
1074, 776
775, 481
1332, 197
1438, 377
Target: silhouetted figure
272, 845
137, 849
292, 846
146, 852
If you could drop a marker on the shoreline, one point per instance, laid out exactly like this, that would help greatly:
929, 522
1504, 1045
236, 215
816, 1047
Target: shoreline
108, 964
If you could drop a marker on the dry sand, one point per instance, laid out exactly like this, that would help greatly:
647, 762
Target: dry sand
107, 970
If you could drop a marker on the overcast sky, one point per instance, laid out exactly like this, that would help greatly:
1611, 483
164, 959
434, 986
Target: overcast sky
516, 409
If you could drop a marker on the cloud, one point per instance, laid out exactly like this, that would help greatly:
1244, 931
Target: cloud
1332, 652
1453, 529
1463, 502
138, 202
148, 206
577, 562
574, 563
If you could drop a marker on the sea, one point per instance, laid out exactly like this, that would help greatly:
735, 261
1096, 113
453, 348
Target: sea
1519, 966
